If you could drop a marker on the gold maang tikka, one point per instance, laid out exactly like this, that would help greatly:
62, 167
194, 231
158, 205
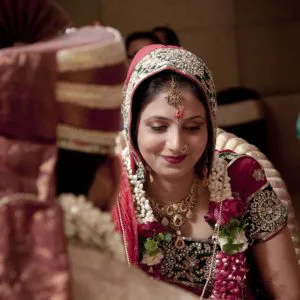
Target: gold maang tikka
176, 99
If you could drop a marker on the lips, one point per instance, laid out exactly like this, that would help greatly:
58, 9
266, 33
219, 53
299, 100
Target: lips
175, 159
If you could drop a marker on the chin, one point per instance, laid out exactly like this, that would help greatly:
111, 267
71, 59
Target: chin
173, 174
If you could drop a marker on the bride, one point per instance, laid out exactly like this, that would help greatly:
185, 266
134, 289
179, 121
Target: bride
203, 220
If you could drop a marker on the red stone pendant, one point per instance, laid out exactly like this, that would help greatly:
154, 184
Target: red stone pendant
178, 220
179, 243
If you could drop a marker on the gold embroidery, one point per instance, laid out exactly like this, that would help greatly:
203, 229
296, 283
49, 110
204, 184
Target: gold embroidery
266, 214
188, 266
258, 175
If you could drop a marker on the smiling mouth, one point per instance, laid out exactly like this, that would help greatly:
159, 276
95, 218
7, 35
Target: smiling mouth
174, 159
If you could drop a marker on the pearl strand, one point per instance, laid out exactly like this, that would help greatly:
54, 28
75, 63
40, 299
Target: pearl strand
144, 211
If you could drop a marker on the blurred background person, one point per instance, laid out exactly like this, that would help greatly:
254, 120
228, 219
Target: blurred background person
42, 112
167, 35
138, 40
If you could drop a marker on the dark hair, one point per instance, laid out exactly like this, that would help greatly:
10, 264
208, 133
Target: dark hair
75, 171
151, 87
141, 35
171, 36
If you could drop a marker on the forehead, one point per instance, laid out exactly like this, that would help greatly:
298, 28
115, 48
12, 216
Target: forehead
159, 105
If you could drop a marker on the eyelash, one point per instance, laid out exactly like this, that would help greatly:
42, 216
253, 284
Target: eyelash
159, 128
162, 128
193, 128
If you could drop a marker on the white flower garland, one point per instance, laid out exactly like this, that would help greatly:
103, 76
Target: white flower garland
219, 182
219, 187
90, 225
143, 209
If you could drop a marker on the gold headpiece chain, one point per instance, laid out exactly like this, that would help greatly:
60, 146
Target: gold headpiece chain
174, 97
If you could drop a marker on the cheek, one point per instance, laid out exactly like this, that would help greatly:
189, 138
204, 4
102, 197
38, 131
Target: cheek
198, 145
149, 142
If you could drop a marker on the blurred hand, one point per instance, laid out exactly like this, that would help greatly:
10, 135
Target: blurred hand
105, 186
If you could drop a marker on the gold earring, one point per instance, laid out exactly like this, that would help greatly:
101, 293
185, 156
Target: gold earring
205, 180
205, 177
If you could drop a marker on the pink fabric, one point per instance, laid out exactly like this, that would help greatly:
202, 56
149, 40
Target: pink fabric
33, 256
84, 36
27, 167
127, 217
107, 120
27, 96
241, 178
107, 75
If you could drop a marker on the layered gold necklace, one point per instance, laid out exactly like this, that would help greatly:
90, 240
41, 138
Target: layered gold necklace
175, 215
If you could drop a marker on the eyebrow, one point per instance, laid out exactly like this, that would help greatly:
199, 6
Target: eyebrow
167, 119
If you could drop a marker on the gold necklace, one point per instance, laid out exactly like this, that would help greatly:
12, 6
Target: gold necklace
175, 215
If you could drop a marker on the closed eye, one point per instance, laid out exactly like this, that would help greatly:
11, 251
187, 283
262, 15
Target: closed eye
160, 128
192, 128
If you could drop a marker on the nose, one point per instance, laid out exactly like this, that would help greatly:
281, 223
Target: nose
174, 140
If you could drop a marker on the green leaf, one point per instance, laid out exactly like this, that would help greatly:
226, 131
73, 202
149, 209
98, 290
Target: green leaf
151, 246
232, 229
232, 248
168, 237
160, 237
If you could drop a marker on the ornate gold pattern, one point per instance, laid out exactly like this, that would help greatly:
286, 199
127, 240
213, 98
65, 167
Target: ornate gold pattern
174, 97
175, 215
189, 265
266, 214
229, 141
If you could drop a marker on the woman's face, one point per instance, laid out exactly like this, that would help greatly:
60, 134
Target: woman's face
162, 140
